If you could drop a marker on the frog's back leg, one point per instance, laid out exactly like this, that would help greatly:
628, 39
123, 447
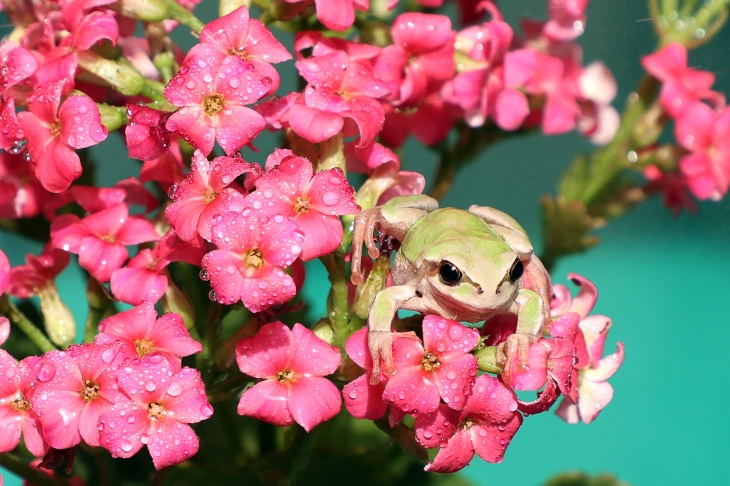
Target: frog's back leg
393, 218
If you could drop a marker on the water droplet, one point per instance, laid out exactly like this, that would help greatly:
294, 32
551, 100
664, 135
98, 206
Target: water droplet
150, 386
212, 296
204, 275
46, 372
171, 191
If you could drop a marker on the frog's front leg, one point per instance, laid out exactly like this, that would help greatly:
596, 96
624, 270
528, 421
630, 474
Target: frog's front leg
514, 351
393, 218
380, 337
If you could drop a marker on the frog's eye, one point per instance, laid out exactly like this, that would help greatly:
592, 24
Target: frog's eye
516, 271
449, 274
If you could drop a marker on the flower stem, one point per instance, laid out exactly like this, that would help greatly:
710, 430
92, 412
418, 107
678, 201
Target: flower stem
182, 15
25, 325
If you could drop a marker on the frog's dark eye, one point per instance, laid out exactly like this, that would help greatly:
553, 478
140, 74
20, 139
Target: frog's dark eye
450, 275
516, 271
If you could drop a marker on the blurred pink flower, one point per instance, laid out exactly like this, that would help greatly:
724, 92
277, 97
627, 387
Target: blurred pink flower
363, 400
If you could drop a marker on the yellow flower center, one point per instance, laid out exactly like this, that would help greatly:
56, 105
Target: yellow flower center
89, 390
429, 362
155, 411
213, 104
254, 259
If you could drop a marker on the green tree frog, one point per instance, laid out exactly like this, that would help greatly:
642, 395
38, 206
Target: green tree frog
462, 265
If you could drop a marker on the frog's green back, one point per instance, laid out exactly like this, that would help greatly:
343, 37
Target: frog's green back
446, 224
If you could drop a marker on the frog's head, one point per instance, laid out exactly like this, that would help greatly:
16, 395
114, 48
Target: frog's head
473, 278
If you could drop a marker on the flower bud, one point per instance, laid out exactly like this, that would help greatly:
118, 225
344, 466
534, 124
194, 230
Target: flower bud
145, 10
175, 301
124, 79
323, 330
487, 359
377, 278
59, 321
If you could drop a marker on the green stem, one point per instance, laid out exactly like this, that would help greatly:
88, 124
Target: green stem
35, 476
223, 390
343, 322
100, 307
609, 162
25, 325
182, 15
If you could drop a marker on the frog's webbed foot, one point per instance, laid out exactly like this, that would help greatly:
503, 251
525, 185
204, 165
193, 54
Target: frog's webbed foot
365, 224
513, 354
380, 344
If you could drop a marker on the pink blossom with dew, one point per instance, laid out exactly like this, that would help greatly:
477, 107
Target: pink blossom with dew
593, 392
551, 363
208, 190
366, 159
159, 401
94, 199
252, 253
38, 273
100, 238
212, 96
422, 53
55, 130
292, 364
320, 44
567, 19
553, 77
141, 332
485, 425
342, 95
312, 201
706, 134
74, 388
236, 34
167, 170
16, 66
4, 329
440, 369
144, 278
682, 87
363, 400
146, 135
430, 122
478, 85
13, 140
16, 413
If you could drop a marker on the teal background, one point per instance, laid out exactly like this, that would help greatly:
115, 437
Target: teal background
663, 281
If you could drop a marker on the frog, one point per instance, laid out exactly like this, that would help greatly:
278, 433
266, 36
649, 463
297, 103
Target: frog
465, 265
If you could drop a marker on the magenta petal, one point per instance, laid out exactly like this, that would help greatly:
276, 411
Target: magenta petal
357, 348
4, 329
81, 122
134, 323
266, 353
335, 15
101, 258
313, 124
454, 379
409, 28
491, 441
185, 399
313, 356
145, 378
363, 400
434, 429
10, 428
171, 442
412, 391
170, 335
511, 108
266, 47
313, 401
535, 377
122, 428
89, 419
59, 414
136, 285
237, 126
33, 436
592, 398
93, 28
322, 234
57, 165
267, 401
194, 126
457, 453
137, 230
4, 274
448, 339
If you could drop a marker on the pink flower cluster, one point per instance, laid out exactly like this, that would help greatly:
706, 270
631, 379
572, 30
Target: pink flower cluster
702, 128
122, 392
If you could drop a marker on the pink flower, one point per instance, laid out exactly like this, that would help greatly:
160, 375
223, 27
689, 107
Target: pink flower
159, 401
4, 272
706, 134
430, 122
593, 392
144, 277
312, 201
205, 193
75, 387
682, 87
100, 238
253, 253
674, 188
416, 60
337, 14
140, 333
439, 369
292, 364
486, 426
363, 400
16, 413
55, 132
212, 96
21, 194
342, 94
599, 120
238, 35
